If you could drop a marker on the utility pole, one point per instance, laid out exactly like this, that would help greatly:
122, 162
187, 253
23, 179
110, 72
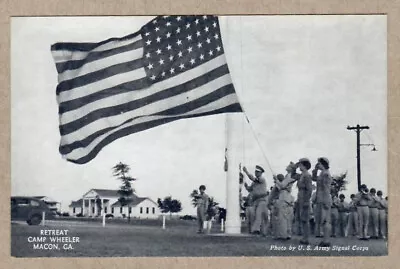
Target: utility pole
358, 130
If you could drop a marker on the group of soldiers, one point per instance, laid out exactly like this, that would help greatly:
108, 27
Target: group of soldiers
275, 212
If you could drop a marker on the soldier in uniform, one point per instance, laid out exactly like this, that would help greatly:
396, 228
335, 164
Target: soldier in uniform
334, 214
249, 210
382, 215
353, 223
259, 198
284, 204
374, 213
304, 185
323, 197
363, 199
202, 206
343, 208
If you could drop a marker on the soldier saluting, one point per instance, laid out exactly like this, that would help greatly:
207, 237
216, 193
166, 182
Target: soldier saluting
323, 197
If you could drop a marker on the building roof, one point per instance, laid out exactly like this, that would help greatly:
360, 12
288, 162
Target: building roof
132, 203
107, 192
45, 199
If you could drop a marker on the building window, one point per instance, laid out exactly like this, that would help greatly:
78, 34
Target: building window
130, 210
120, 210
141, 210
93, 210
112, 210
154, 210
147, 210
73, 210
105, 209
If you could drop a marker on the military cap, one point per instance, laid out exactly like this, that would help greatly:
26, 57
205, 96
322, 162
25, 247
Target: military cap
324, 161
306, 162
259, 169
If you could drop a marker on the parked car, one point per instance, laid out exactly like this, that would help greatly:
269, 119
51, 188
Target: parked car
29, 209
187, 217
109, 216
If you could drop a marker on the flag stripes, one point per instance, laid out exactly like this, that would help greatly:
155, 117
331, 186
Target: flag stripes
125, 85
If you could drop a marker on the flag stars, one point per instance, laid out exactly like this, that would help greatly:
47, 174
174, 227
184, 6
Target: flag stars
169, 47
189, 37
155, 21
192, 61
206, 29
196, 21
180, 54
216, 36
157, 29
148, 42
158, 51
215, 25
204, 17
211, 53
198, 33
148, 55
187, 25
163, 74
168, 24
172, 70
153, 77
201, 56
158, 39
171, 58
161, 61
147, 34
178, 30
168, 35
150, 66
218, 48
178, 18
181, 66
199, 45
208, 40
189, 49
179, 42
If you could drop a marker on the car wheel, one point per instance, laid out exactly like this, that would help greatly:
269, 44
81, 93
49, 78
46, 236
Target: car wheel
35, 220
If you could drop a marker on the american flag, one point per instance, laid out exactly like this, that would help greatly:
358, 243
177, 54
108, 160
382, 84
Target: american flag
173, 68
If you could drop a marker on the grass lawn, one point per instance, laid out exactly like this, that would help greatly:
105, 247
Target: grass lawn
179, 239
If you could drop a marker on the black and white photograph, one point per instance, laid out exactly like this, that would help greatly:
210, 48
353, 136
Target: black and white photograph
199, 136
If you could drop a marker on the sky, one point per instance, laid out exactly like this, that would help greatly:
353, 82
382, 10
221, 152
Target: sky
300, 79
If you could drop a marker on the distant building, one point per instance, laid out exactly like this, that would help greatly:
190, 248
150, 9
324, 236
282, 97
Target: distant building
53, 205
107, 200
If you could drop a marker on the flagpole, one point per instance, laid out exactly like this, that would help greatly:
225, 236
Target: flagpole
233, 223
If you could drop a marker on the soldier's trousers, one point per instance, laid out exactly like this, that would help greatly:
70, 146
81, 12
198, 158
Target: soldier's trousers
201, 218
334, 221
363, 219
250, 212
343, 223
374, 214
324, 212
317, 218
382, 222
353, 224
261, 217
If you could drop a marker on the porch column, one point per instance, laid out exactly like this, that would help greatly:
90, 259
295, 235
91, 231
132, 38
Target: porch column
83, 206
102, 207
90, 207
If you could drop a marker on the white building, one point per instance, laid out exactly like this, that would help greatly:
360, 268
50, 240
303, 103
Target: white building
91, 202
52, 204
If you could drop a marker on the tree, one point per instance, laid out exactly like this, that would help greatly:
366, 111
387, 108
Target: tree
339, 183
169, 205
121, 172
212, 209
